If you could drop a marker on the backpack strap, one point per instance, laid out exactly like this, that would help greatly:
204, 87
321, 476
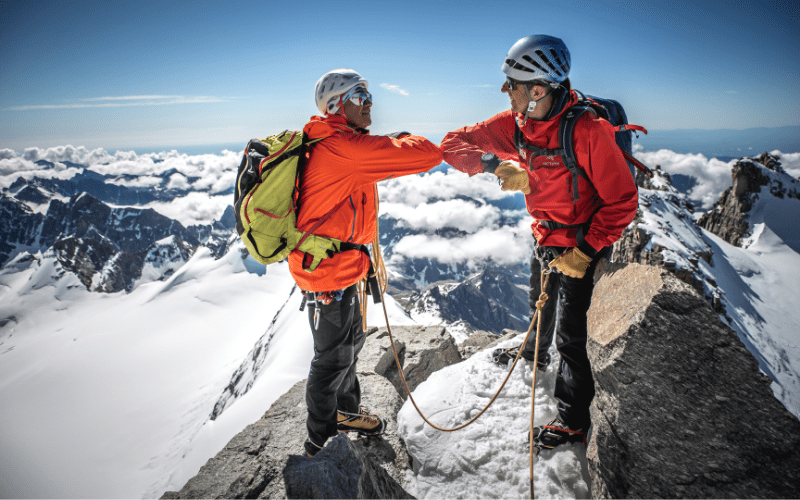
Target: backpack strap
565, 149
521, 143
372, 277
566, 129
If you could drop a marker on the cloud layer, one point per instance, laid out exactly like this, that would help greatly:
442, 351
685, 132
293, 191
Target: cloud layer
713, 175
428, 202
124, 101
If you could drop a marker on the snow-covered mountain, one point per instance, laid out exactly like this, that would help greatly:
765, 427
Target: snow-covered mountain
136, 338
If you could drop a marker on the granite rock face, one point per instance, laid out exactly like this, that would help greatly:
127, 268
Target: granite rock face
421, 351
252, 464
339, 470
489, 300
752, 179
681, 409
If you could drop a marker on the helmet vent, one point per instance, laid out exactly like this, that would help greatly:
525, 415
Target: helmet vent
515, 65
533, 62
546, 60
564, 67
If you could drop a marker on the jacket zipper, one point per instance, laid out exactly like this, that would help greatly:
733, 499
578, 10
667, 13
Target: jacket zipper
353, 231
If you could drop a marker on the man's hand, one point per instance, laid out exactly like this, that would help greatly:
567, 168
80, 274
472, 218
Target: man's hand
513, 177
572, 263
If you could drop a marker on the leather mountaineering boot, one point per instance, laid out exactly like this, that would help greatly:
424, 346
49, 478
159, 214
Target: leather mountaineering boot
556, 433
362, 422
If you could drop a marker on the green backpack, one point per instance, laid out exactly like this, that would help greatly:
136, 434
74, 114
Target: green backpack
265, 201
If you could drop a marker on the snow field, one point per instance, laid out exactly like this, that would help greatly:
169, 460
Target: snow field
489, 458
105, 392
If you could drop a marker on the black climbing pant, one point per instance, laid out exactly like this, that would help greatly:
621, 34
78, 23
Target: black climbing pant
548, 311
332, 383
569, 301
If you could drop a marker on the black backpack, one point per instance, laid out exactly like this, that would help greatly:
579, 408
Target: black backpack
609, 110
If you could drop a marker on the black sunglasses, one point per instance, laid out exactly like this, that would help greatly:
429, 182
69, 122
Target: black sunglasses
512, 83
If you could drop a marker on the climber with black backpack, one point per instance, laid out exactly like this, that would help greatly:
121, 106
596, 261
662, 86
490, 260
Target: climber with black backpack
567, 153
321, 211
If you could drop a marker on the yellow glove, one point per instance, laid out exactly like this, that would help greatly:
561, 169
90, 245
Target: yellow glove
572, 263
512, 177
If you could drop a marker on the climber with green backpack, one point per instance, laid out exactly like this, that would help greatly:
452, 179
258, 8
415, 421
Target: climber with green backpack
311, 196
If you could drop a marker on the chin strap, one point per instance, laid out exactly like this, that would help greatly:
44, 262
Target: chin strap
532, 104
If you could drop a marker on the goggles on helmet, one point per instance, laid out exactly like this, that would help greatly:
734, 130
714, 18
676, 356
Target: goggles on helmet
358, 95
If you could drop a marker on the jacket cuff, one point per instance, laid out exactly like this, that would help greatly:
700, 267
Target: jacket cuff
587, 249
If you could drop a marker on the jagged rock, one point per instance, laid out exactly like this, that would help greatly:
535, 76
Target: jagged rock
681, 409
489, 300
421, 350
244, 376
476, 342
217, 236
667, 209
338, 471
84, 257
755, 181
250, 465
728, 218
19, 227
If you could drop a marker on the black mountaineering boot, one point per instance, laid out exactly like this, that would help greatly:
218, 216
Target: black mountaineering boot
361, 422
311, 448
503, 356
547, 437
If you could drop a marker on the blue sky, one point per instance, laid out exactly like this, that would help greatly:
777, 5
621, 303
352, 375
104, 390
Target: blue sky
156, 74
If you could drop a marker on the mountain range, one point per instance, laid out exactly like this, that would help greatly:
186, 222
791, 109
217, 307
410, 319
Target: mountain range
109, 304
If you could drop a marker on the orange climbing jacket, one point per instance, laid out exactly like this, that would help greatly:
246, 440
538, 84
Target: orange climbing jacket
345, 166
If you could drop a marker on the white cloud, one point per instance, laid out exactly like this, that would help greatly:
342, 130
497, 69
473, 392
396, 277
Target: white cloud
416, 189
460, 214
177, 181
393, 88
713, 176
195, 208
215, 173
141, 181
68, 153
504, 245
124, 101
790, 162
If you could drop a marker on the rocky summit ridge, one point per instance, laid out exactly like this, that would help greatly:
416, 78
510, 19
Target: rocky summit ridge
679, 411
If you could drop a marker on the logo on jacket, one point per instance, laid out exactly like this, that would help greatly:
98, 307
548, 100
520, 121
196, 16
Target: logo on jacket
550, 161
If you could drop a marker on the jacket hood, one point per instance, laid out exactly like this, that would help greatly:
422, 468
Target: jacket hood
325, 126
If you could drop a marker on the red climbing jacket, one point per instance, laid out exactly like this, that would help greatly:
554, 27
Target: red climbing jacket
609, 198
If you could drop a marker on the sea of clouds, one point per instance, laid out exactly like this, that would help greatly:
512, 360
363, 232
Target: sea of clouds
428, 202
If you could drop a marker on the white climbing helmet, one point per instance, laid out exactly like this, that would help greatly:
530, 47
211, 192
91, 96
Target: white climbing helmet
332, 85
538, 57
